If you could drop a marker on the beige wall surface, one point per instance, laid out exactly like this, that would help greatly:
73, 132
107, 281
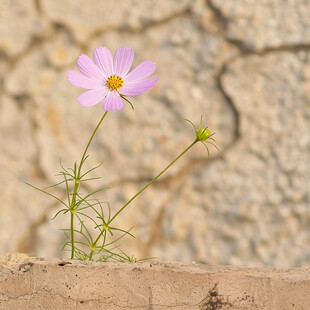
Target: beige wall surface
244, 65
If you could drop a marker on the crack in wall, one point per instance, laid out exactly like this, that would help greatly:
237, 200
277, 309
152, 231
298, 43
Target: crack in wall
223, 23
247, 50
151, 23
229, 100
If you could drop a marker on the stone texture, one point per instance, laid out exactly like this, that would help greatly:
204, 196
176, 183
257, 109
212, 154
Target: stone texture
260, 188
56, 284
19, 154
267, 24
227, 61
36, 72
87, 17
20, 24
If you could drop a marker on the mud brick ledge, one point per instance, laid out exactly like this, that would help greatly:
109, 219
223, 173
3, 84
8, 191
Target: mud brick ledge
38, 283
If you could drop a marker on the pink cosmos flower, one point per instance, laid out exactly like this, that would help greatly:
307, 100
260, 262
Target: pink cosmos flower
108, 77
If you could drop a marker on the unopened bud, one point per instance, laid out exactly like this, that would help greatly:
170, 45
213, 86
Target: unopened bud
203, 134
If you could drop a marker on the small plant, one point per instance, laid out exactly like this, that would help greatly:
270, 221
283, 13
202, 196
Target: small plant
90, 218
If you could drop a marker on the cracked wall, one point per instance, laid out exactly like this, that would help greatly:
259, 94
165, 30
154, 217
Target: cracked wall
245, 67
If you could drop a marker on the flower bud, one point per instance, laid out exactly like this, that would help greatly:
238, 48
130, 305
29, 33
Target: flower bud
203, 134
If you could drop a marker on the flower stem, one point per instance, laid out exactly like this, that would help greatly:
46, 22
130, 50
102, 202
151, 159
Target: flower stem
72, 234
91, 255
77, 176
89, 142
152, 181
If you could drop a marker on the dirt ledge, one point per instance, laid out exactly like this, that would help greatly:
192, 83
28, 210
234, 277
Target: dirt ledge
37, 283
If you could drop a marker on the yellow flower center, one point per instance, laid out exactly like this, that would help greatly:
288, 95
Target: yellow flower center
114, 82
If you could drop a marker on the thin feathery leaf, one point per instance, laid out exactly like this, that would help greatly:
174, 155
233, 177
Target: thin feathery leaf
127, 257
67, 191
104, 238
62, 210
75, 169
78, 232
66, 173
54, 185
82, 243
89, 217
109, 215
61, 165
90, 240
88, 205
112, 253
81, 222
92, 169
65, 245
103, 258
91, 194
61, 173
124, 231
119, 238
47, 193
130, 259
84, 160
91, 179
72, 172
101, 209
146, 259
81, 255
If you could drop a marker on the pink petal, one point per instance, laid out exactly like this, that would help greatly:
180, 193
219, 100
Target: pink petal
92, 97
88, 68
137, 88
123, 59
82, 81
142, 71
112, 101
103, 59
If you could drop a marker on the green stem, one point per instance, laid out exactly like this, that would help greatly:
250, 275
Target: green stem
94, 245
76, 185
72, 235
89, 142
147, 185
72, 211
